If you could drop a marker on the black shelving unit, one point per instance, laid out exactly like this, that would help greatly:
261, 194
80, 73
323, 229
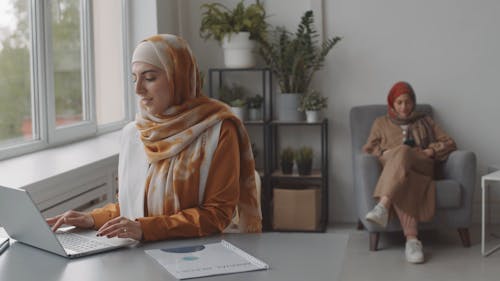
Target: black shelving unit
215, 80
318, 177
266, 86
271, 174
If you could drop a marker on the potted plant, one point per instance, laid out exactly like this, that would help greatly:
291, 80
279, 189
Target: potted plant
304, 157
312, 103
294, 58
238, 106
238, 30
255, 107
287, 156
234, 96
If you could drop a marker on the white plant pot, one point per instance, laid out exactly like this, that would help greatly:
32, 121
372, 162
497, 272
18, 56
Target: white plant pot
238, 50
240, 112
255, 114
313, 116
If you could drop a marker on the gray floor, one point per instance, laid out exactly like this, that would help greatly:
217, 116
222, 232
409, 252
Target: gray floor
446, 259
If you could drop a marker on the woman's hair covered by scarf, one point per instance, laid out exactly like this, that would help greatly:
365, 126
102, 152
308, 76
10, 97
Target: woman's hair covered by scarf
398, 89
172, 54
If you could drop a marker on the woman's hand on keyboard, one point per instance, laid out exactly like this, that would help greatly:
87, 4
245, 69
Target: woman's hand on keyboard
78, 219
121, 227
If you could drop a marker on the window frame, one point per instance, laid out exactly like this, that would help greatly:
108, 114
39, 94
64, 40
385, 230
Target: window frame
45, 132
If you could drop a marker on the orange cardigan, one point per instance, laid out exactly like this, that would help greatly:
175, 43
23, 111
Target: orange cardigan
215, 213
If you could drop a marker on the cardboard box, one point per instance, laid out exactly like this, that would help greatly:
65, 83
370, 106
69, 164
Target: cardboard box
296, 209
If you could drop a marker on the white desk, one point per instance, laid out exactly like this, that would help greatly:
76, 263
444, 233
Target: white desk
291, 256
491, 177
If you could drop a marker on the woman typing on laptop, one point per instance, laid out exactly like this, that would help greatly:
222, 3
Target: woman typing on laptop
186, 167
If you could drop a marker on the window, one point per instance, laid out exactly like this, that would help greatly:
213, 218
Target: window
15, 83
61, 72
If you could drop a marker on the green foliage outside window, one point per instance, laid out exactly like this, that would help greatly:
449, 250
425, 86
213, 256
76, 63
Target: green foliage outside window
15, 82
15, 73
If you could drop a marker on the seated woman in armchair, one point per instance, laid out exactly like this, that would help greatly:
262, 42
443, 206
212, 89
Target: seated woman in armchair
408, 144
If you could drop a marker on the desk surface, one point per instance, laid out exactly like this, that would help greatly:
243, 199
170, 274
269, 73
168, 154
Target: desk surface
291, 256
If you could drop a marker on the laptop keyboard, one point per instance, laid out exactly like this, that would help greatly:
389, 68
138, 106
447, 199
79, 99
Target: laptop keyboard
79, 243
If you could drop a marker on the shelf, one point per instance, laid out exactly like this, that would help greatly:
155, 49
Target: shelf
296, 123
266, 79
317, 180
254, 123
270, 173
315, 174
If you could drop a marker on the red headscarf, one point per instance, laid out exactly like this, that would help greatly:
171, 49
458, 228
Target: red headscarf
398, 89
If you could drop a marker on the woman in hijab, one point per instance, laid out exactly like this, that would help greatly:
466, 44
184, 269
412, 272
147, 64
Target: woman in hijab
408, 144
186, 167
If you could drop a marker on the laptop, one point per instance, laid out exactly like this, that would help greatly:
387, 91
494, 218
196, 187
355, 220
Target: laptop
23, 222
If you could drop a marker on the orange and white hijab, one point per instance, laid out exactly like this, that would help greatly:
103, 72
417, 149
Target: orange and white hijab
178, 145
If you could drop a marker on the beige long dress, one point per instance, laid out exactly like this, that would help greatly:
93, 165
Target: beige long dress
407, 177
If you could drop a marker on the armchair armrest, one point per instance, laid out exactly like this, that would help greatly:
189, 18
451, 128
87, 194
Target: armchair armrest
461, 167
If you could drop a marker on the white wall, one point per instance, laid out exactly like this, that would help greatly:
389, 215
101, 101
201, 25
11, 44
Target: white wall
448, 50
142, 19
108, 56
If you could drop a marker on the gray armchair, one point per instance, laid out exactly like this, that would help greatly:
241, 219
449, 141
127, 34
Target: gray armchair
454, 184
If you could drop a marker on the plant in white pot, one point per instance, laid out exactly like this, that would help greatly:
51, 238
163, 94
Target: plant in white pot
255, 107
235, 97
312, 104
294, 58
238, 106
237, 30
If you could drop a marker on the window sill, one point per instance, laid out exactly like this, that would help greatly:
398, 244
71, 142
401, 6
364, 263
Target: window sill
29, 169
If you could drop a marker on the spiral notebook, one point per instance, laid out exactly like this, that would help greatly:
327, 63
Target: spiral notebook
206, 260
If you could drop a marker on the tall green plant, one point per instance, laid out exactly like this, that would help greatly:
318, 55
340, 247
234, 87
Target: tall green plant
218, 20
295, 57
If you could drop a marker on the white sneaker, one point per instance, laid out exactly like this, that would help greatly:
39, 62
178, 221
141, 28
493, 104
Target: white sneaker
413, 251
378, 215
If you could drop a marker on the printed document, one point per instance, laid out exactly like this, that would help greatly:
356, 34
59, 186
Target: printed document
206, 260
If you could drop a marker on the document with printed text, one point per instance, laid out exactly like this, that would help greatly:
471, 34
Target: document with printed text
206, 260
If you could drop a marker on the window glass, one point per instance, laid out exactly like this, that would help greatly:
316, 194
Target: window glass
67, 61
16, 118
61, 72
